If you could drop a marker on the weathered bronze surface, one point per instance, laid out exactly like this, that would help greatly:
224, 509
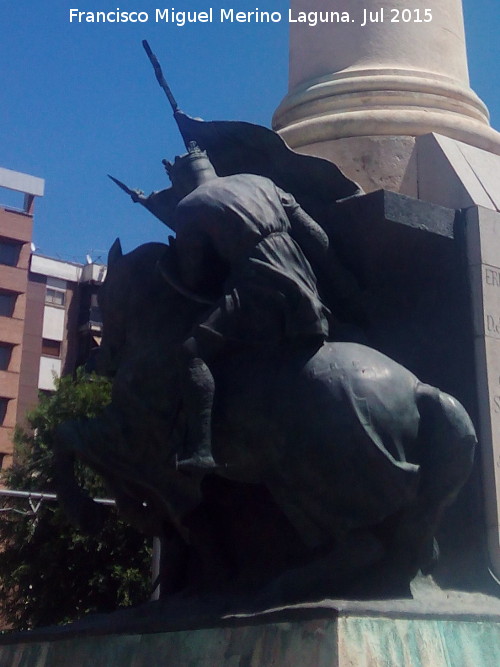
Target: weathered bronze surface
334, 463
252, 428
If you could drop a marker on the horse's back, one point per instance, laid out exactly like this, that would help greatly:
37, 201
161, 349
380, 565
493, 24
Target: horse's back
342, 386
330, 432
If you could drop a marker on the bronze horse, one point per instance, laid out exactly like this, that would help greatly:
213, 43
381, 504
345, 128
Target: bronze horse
336, 464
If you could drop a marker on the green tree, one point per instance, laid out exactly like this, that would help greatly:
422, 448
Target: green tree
49, 571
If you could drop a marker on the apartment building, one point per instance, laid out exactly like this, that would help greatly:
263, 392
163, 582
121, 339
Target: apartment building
49, 315
16, 227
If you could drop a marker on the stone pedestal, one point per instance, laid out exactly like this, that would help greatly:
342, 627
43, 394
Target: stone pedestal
483, 252
410, 259
329, 634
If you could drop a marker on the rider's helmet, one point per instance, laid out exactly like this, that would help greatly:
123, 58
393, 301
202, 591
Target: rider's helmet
190, 170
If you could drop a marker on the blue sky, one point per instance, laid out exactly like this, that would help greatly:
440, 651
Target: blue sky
80, 101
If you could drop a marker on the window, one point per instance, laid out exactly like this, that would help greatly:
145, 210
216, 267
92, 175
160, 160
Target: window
51, 348
5, 354
54, 297
4, 402
7, 303
9, 253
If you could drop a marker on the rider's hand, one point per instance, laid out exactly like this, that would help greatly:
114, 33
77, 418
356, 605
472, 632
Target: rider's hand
137, 196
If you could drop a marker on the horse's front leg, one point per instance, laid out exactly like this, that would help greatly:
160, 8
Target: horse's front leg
82, 511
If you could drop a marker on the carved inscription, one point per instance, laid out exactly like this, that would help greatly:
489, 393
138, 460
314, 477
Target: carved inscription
492, 324
492, 276
491, 296
494, 379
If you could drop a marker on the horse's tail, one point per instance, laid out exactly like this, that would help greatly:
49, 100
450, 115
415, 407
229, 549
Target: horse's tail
448, 441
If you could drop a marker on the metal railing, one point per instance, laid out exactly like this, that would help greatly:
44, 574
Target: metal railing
40, 495
36, 498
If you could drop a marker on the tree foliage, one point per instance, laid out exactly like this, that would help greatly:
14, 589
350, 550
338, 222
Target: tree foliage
49, 572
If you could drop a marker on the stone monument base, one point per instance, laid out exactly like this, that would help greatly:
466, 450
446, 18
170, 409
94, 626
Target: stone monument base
347, 640
436, 629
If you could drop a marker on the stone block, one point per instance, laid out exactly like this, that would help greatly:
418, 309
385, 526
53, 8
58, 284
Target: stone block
454, 174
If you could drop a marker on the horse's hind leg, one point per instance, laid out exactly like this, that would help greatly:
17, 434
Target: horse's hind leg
333, 574
447, 451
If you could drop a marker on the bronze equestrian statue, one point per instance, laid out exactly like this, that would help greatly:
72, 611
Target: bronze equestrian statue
263, 449
339, 462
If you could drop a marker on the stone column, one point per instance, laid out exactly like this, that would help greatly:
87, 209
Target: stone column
371, 76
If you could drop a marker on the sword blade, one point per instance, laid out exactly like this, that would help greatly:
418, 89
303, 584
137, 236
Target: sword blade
121, 185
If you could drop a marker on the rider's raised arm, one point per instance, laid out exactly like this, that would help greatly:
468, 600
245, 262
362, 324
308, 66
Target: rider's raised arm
305, 231
161, 204
343, 288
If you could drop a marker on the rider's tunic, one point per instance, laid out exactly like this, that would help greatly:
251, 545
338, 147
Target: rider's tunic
234, 239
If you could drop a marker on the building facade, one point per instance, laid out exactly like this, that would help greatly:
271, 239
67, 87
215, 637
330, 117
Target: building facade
16, 226
62, 324
49, 316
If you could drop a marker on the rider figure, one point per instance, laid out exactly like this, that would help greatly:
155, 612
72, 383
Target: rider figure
247, 243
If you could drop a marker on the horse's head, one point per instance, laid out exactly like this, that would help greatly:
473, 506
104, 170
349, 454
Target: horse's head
138, 306
113, 331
